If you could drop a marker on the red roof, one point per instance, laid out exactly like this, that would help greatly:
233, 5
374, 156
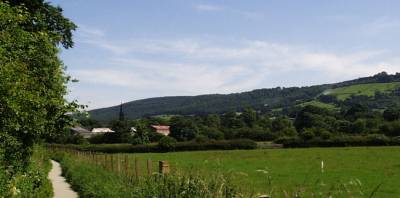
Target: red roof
160, 127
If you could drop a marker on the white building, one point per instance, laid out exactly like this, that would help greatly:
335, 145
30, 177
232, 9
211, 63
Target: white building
102, 130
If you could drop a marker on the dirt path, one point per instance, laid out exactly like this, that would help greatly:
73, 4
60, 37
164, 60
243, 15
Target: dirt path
60, 187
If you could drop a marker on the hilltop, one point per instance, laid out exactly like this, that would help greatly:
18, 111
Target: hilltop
276, 99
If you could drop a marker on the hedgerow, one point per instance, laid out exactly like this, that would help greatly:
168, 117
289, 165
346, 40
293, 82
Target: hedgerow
32, 182
179, 146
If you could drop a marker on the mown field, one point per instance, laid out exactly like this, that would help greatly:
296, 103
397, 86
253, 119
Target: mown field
364, 171
363, 89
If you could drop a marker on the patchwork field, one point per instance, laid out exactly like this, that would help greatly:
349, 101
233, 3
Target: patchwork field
362, 170
363, 89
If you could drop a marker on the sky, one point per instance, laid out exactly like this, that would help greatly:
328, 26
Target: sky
129, 49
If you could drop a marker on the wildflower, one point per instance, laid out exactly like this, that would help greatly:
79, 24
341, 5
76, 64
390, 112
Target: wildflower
322, 165
263, 171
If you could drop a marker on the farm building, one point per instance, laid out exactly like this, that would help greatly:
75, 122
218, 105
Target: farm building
161, 129
81, 131
102, 130
87, 134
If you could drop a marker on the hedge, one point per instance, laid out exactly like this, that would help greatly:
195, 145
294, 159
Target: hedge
180, 146
341, 141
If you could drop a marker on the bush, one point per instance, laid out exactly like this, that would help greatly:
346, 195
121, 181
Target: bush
155, 137
340, 141
201, 139
32, 182
179, 146
391, 128
217, 145
326, 135
167, 143
307, 134
288, 141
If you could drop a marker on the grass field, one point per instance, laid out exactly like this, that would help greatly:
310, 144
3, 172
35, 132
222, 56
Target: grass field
319, 104
361, 169
363, 89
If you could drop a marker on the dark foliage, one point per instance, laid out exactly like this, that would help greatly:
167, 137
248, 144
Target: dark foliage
179, 146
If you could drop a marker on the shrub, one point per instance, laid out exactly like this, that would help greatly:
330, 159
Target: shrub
155, 137
201, 139
307, 134
325, 135
179, 146
32, 182
339, 141
287, 141
391, 128
217, 145
167, 143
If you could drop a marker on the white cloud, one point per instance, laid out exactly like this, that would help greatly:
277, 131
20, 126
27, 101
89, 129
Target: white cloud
215, 8
200, 66
85, 31
207, 8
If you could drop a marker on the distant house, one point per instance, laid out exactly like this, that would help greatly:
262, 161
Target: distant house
133, 130
81, 131
87, 134
102, 130
161, 129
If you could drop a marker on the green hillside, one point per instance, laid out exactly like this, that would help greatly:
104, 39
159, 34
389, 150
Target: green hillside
343, 93
277, 100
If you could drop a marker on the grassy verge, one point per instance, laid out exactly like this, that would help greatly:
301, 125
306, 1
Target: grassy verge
91, 181
30, 183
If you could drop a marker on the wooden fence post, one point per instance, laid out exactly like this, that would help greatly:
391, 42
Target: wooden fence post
105, 161
112, 163
137, 168
126, 166
118, 165
149, 167
163, 167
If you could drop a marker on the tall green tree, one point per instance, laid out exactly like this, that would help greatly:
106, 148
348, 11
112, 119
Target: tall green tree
33, 82
44, 17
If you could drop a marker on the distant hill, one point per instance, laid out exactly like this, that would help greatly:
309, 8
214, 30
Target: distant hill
260, 99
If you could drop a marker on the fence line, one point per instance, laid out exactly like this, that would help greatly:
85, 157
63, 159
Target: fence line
116, 163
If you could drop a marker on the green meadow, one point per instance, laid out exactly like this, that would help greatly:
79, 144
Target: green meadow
363, 89
317, 103
363, 171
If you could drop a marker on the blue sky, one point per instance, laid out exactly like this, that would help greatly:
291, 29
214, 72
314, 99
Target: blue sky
127, 50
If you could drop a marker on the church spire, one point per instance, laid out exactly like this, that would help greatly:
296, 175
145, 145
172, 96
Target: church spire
121, 113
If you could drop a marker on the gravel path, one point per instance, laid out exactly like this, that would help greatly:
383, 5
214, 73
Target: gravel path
60, 187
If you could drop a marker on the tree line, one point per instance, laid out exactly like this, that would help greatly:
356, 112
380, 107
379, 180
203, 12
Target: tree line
304, 123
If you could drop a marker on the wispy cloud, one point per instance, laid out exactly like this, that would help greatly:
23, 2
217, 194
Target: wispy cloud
217, 8
207, 8
381, 25
198, 66
97, 38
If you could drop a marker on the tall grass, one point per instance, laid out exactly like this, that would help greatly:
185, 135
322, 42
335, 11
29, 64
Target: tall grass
30, 183
92, 178
91, 181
